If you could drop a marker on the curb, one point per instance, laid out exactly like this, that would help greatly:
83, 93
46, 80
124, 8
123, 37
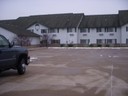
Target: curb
40, 48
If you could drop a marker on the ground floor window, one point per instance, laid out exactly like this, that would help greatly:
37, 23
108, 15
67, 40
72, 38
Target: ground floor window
106, 41
100, 41
126, 41
84, 41
55, 41
111, 41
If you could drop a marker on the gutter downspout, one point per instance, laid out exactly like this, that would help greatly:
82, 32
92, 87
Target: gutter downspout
77, 28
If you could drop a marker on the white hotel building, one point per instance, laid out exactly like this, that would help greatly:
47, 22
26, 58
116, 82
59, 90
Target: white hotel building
75, 29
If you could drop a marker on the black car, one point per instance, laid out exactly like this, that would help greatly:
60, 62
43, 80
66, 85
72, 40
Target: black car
12, 57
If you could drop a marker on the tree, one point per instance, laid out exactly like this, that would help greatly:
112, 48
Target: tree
46, 39
21, 41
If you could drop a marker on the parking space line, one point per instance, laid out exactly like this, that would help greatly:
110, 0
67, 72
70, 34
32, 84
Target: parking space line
111, 80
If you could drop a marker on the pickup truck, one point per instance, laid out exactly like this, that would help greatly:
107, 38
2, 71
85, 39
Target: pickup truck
12, 57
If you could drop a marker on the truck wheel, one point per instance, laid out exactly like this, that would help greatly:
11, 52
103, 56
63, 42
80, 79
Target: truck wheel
21, 68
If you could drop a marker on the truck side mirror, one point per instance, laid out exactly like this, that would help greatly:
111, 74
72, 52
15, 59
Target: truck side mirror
11, 44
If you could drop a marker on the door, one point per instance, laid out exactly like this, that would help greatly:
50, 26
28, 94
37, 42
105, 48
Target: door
7, 56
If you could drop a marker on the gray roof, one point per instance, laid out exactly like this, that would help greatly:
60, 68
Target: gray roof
67, 20
17, 30
53, 20
123, 17
93, 21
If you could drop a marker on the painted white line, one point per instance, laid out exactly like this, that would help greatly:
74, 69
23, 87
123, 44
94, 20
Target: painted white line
111, 80
115, 56
109, 56
33, 58
48, 65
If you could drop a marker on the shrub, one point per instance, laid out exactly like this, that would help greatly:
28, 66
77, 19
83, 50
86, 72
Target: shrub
70, 45
91, 45
99, 45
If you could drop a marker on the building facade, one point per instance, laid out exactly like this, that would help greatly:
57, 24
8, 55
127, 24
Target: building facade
77, 29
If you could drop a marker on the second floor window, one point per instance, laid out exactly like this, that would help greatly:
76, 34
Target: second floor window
127, 29
52, 30
126, 41
98, 30
99, 41
115, 29
69, 29
84, 41
108, 29
82, 30
43, 31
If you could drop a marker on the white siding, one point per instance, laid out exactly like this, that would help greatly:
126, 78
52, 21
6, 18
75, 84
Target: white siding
63, 36
9, 35
35, 30
124, 34
93, 35
34, 40
67, 37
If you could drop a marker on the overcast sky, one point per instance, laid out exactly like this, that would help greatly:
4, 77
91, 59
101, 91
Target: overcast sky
12, 9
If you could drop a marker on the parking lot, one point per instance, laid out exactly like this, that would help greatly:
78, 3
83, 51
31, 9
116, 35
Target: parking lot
70, 72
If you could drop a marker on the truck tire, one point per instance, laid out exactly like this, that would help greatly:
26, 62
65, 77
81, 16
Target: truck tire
21, 68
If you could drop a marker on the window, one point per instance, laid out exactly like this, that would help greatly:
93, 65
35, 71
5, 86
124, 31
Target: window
75, 29
3, 42
105, 29
108, 29
126, 29
99, 41
69, 29
84, 41
58, 30
43, 31
98, 30
88, 30
55, 41
111, 41
126, 41
82, 30
115, 29
52, 30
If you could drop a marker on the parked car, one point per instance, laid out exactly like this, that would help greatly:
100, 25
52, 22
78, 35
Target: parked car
12, 57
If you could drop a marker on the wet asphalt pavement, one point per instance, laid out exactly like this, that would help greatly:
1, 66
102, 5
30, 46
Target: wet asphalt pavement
70, 72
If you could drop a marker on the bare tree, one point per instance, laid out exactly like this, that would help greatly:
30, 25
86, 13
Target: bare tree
45, 39
22, 41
